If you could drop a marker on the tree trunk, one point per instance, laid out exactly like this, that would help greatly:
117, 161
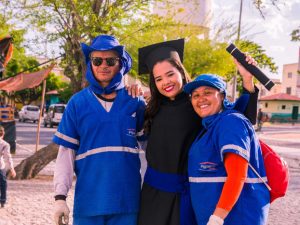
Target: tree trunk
32, 165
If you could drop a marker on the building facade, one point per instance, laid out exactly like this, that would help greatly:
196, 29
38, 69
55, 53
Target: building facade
291, 79
276, 89
281, 107
192, 12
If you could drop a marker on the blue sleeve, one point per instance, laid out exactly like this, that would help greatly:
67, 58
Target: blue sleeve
66, 134
247, 104
237, 139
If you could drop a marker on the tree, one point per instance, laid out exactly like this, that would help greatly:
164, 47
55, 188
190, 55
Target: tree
72, 22
260, 5
296, 34
21, 62
32, 165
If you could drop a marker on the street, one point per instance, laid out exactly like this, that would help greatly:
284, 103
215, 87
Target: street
26, 134
281, 135
275, 135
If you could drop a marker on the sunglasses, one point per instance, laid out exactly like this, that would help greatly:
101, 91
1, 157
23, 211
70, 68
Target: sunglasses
112, 61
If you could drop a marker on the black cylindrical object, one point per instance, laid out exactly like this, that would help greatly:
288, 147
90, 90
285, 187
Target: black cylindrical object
257, 73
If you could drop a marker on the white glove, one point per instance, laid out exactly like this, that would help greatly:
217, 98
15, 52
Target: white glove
215, 220
61, 213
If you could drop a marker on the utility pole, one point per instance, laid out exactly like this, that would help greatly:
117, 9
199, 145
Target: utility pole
234, 82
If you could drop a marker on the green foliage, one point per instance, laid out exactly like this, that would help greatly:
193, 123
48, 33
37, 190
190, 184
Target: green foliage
20, 63
146, 31
73, 22
65, 93
203, 56
295, 35
80, 21
17, 35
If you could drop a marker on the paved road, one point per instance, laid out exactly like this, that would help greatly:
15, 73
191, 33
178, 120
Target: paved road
285, 139
27, 132
275, 135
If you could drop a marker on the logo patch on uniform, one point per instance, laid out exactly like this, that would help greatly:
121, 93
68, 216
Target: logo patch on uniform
208, 166
131, 132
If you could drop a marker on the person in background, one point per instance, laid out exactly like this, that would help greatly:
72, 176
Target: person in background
172, 125
223, 189
6, 164
260, 119
98, 139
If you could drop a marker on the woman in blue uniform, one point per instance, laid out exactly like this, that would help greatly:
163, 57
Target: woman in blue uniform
98, 138
172, 126
223, 189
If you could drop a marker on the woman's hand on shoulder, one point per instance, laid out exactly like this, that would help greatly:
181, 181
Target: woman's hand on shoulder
134, 90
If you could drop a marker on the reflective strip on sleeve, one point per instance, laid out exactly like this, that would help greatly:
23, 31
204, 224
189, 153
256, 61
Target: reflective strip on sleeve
107, 149
67, 138
223, 179
242, 151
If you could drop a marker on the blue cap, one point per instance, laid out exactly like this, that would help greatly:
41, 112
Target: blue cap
210, 80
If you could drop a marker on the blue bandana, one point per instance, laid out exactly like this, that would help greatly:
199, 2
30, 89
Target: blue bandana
210, 80
106, 43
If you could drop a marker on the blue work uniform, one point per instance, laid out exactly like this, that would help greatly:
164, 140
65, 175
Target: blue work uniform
107, 163
228, 131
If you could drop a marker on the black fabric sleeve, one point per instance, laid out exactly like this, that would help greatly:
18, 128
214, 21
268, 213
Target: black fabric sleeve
251, 109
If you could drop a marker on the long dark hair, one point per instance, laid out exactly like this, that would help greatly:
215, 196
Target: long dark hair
154, 103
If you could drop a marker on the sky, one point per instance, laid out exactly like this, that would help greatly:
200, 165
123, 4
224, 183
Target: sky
272, 33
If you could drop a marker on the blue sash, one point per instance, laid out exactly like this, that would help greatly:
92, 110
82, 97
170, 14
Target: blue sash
173, 183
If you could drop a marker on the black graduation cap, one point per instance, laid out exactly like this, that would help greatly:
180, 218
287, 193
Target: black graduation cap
151, 54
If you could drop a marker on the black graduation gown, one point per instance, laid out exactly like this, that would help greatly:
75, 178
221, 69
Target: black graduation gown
173, 130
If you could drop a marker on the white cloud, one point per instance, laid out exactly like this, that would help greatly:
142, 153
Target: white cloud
277, 48
273, 32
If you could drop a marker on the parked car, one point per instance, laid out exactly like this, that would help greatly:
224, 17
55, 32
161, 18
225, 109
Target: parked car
54, 114
29, 112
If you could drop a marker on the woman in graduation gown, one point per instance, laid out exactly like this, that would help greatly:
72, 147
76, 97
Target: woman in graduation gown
172, 125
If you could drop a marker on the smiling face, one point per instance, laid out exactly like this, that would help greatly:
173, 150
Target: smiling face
105, 73
168, 79
207, 101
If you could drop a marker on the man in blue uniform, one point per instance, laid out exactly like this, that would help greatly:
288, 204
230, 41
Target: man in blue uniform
98, 138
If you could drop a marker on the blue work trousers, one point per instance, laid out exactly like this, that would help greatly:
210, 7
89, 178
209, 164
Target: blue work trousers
3, 186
